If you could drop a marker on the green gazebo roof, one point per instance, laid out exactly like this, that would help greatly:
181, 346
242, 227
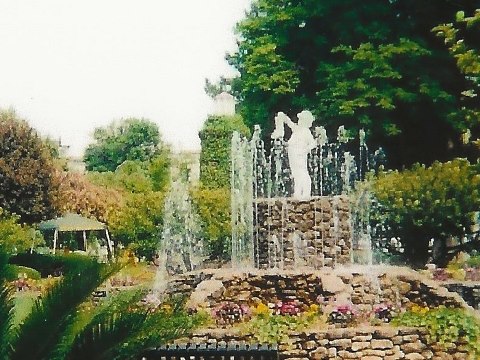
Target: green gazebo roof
72, 222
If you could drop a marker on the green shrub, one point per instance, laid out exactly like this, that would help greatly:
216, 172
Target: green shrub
273, 329
137, 224
15, 237
429, 202
52, 264
216, 137
474, 261
445, 326
213, 207
13, 271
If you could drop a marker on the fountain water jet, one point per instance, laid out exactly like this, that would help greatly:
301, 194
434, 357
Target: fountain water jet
181, 247
274, 203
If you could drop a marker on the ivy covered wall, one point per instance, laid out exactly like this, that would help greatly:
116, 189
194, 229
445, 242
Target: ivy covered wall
216, 136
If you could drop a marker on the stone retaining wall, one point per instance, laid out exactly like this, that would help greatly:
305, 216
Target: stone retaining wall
372, 343
290, 233
469, 291
364, 287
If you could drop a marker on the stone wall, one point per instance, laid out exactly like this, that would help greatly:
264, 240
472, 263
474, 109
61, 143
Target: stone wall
469, 291
370, 343
364, 287
290, 233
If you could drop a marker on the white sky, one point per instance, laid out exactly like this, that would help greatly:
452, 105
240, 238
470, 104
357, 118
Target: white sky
68, 66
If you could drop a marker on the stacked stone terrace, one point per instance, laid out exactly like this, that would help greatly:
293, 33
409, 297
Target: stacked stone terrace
367, 343
291, 234
363, 287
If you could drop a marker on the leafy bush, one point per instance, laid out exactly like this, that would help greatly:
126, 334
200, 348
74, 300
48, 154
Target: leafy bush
14, 237
137, 224
424, 203
273, 329
13, 271
124, 325
216, 136
474, 260
213, 208
119, 328
445, 326
79, 195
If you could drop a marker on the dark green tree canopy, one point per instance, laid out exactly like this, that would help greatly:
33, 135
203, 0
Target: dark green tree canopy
27, 175
129, 139
372, 64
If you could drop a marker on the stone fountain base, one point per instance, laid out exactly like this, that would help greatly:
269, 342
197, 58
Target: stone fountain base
313, 233
364, 286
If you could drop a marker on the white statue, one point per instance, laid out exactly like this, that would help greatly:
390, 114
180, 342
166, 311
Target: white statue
299, 146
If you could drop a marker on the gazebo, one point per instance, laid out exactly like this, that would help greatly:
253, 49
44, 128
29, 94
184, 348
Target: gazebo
75, 223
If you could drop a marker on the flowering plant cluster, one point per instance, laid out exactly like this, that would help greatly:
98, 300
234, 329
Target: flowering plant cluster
441, 274
229, 313
24, 283
384, 312
342, 314
420, 310
472, 274
286, 308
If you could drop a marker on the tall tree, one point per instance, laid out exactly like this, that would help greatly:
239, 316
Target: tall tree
463, 42
129, 139
78, 195
28, 186
372, 64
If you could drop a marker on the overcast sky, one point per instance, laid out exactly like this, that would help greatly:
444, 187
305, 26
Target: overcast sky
70, 66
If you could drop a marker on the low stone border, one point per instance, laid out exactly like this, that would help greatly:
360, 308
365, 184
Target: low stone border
369, 343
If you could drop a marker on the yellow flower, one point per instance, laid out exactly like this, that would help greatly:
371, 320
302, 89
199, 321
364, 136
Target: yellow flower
261, 309
419, 309
167, 308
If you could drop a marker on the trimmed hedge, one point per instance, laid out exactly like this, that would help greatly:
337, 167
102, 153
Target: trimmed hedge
52, 264
12, 271
216, 137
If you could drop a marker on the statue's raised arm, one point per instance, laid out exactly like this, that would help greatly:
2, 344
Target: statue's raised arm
280, 119
287, 121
